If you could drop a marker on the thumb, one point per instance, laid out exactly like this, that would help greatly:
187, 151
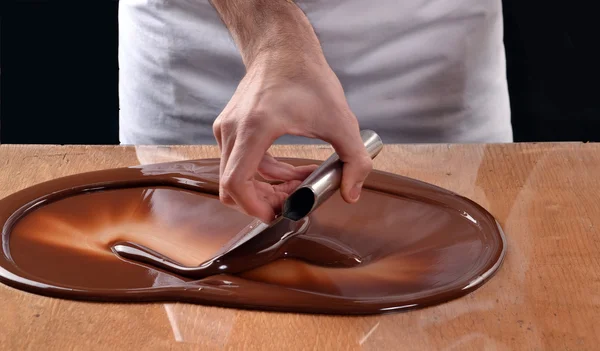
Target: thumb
357, 162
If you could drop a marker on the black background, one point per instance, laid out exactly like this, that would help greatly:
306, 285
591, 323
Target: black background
59, 71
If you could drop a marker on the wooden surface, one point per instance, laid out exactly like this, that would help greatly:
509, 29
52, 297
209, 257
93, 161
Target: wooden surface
546, 296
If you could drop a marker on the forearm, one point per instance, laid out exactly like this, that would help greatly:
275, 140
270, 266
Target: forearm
267, 28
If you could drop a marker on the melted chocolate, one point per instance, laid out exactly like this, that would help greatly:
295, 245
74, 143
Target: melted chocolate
141, 233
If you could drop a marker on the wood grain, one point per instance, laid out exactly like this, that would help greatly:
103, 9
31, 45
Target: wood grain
546, 296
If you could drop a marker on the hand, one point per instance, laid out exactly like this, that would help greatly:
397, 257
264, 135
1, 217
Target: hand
284, 93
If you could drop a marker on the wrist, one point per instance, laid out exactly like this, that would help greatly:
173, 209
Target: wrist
286, 60
269, 30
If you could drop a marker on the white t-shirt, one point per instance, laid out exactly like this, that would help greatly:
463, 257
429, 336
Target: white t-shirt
412, 70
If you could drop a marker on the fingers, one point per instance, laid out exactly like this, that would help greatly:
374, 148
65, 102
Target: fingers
286, 188
358, 164
272, 169
275, 195
225, 147
239, 162
243, 153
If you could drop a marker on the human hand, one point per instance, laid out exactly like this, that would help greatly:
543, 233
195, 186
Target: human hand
284, 95
288, 89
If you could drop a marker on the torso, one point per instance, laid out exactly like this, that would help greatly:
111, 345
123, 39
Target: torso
414, 71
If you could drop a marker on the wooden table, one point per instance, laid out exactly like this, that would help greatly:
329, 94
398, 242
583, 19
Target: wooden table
546, 296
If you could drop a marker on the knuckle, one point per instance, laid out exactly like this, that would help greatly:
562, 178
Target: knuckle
227, 124
254, 119
227, 184
216, 127
226, 199
365, 164
230, 186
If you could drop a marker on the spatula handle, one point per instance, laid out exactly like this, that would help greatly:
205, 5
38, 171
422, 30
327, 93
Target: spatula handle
324, 181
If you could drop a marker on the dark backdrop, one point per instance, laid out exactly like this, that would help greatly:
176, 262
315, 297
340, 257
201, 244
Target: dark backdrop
59, 71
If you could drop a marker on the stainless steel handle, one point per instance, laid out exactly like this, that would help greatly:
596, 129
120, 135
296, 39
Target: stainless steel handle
324, 181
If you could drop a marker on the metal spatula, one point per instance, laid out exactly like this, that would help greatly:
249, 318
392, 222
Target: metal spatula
253, 245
